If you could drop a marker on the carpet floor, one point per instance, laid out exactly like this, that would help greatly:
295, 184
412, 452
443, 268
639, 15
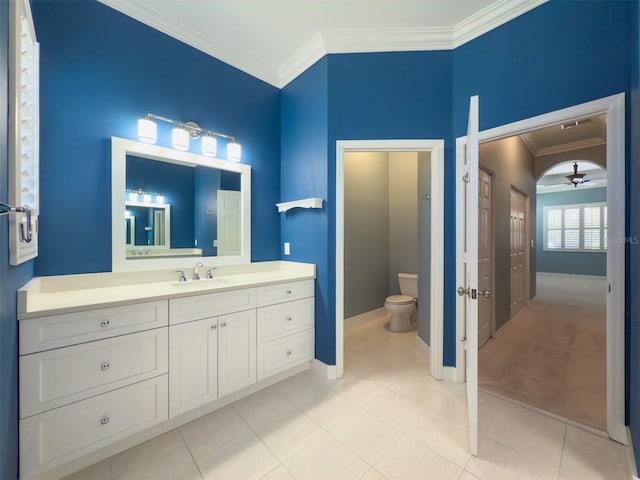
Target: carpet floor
552, 354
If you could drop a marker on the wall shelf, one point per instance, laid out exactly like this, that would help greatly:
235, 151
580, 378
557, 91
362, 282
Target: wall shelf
304, 203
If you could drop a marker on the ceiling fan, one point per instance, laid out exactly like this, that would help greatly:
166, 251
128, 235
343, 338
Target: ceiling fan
576, 178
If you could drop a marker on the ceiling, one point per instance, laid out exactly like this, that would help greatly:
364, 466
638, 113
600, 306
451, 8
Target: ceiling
276, 40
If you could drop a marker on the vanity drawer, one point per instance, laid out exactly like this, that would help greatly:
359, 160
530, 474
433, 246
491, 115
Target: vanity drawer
58, 436
56, 377
282, 319
197, 307
278, 355
44, 333
285, 292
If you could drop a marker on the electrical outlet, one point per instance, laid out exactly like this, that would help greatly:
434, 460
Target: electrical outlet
287, 248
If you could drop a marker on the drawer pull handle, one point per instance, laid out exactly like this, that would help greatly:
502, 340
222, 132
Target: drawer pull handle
104, 420
288, 352
105, 323
214, 326
223, 324
288, 319
105, 366
288, 292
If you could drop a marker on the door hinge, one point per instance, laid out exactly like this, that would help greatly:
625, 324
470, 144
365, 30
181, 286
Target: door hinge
464, 342
465, 177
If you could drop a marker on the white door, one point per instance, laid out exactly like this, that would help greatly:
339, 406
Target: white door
485, 255
229, 223
469, 288
193, 365
236, 351
518, 255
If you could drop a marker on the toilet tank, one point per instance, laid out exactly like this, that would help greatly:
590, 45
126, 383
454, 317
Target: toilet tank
408, 284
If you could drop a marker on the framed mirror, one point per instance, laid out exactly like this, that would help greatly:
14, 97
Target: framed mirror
170, 208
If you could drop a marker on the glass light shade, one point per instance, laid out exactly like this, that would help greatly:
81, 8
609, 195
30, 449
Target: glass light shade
234, 151
147, 131
180, 139
209, 146
133, 196
159, 199
147, 198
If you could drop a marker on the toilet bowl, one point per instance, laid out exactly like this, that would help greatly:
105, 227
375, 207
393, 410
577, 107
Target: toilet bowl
403, 307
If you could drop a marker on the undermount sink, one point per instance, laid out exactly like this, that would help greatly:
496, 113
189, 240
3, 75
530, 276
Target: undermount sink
203, 282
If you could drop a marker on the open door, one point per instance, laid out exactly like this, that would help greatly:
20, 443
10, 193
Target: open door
469, 287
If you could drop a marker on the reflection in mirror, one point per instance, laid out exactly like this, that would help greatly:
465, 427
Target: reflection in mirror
177, 204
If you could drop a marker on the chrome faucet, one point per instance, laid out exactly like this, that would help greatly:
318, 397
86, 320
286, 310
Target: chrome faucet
196, 275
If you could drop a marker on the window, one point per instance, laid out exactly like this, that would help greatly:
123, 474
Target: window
575, 228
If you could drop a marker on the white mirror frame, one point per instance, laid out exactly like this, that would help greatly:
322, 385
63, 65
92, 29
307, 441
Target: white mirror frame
120, 148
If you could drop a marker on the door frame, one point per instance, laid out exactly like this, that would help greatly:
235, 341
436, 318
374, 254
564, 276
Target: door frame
614, 109
436, 150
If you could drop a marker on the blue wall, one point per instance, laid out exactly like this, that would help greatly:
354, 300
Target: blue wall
304, 174
572, 263
11, 278
101, 71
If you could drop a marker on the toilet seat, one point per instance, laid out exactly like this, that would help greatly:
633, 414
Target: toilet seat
400, 300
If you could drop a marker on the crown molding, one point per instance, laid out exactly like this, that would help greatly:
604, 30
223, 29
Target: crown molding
530, 143
150, 14
352, 41
490, 17
568, 147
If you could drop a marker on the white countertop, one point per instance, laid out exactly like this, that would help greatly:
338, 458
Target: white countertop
69, 293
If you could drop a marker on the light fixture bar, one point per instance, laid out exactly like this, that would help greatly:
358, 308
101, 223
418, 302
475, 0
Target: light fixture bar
189, 127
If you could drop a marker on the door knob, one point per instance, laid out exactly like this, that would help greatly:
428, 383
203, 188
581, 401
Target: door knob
462, 291
485, 293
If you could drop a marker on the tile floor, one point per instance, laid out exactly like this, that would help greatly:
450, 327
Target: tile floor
386, 419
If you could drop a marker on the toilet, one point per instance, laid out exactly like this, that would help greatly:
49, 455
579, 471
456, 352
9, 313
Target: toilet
403, 307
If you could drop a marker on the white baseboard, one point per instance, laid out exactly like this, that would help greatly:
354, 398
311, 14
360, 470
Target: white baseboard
423, 348
450, 373
631, 457
570, 275
330, 372
363, 318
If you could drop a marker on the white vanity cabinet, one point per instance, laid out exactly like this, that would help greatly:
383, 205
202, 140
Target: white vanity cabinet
87, 387
285, 326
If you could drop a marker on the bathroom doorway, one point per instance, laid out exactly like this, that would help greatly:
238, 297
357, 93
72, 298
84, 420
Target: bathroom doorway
430, 196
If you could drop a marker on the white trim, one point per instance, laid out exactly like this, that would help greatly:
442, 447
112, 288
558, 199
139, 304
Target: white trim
330, 41
423, 348
581, 227
631, 458
450, 374
436, 148
325, 371
363, 318
570, 275
613, 107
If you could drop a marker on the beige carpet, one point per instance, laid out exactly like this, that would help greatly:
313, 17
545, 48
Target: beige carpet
552, 355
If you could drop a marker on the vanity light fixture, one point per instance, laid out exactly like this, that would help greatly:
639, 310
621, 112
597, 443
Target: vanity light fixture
183, 131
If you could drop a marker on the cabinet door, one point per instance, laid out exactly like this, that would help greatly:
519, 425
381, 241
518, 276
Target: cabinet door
193, 365
236, 351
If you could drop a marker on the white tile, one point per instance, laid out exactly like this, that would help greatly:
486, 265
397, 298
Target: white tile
590, 457
261, 406
381, 372
410, 460
528, 432
288, 432
164, 458
497, 462
394, 409
423, 390
443, 436
467, 476
325, 459
327, 409
303, 386
214, 430
357, 389
98, 471
372, 475
366, 435
279, 473
245, 458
